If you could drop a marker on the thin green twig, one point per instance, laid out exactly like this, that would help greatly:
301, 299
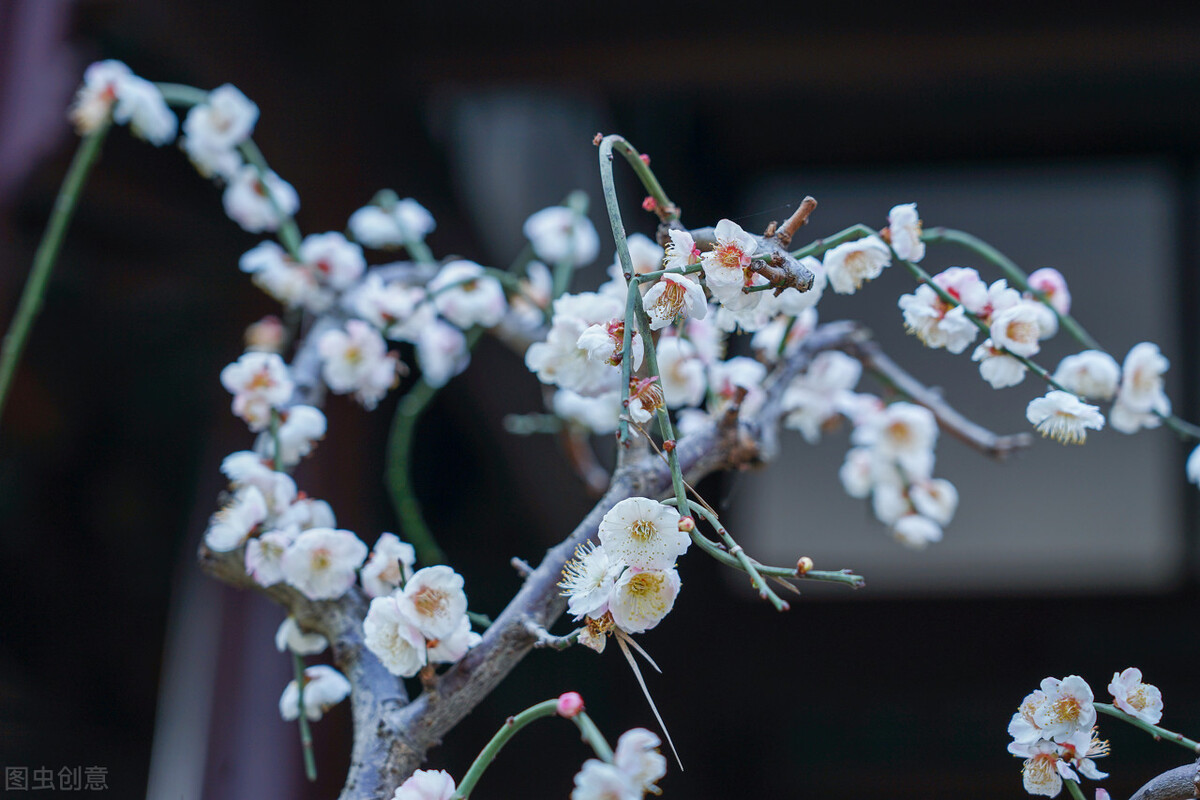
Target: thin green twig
47, 254
1153, 730
306, 741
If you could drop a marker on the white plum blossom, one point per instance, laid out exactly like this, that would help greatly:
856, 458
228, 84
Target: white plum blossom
464, 294
768, 343
604, 344
997, 367
851, 264
246, 468
1018, 328
234, 523
1068, 708
453, 646
587, 581
264, 556
916, 531
442, 352
391, 564
1142, 700
561, 359
1023, 726
426, 784
904, 433
1040, 774
816, 397
599, 414
1093, 374
434, 601
736, 377
305, 513
936, 323
289, 282
300, 428
1051, 283
391, 306
383, 228
1193, 466
1063, 416
213, 130
290, 637
637, 756
559, 234
1141, 400
727, 266
393, 637
682, 372
641, 598
356, 360
681, 252
935, 498
324, 688
888, 498
904, 232
251, 202
672, 296
110, 87
527, 308
258, 382
321, 562
643, 533
857, 472
335, 261
600, 781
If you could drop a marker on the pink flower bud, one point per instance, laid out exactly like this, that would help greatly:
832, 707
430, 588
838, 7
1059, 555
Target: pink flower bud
569, 705
649, 204
687, 524
645, 159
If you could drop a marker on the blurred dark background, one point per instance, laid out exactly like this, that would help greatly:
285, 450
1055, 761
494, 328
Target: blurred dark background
1048, 130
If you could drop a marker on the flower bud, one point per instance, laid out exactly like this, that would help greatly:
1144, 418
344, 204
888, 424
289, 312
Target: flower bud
266, 335
569, 705
687, 524
804, 565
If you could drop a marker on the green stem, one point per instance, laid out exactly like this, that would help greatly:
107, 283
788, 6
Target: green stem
47, 253
306, 742
399, 473
819, 246
178, 94
565, 268
1014, 274
664, 416
633, 296
666, 210
1074, 789
416, 247
1153, 730
510, 729
744, 562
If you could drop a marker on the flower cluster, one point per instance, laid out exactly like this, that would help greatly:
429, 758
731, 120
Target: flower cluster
1054, 728
951, 315
635, 768
422, 622
628, 582
111, 89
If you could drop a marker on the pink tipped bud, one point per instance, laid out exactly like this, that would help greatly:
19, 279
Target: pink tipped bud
1101, 794
266, 336
649, 204
645, 159
804, 565
569, 705
687, 524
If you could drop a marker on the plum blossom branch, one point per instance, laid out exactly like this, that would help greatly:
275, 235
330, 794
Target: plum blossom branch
871, 355
1153, 730
1180, 783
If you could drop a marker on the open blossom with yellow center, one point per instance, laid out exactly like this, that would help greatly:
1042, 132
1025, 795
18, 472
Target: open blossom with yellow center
1063, 416
643, 533
1068, 708
851, 264
641, 598
433, 599
1142, 700
671, 296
